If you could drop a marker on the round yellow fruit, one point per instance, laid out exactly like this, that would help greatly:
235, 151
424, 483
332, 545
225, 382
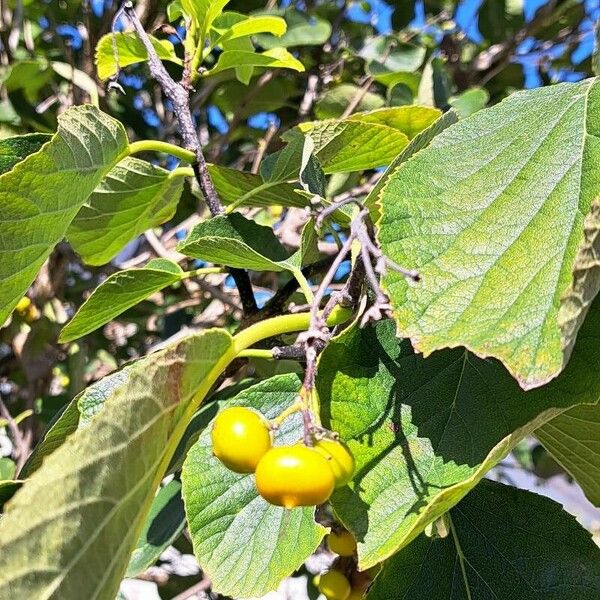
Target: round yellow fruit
333, 585
342, 543
240, 438
293, 476
340, 460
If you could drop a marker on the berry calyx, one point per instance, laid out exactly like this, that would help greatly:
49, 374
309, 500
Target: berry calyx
240, 438
342, 543
340, 460
333, 585
291, 476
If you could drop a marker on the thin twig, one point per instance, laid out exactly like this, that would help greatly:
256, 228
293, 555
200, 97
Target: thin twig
179, 96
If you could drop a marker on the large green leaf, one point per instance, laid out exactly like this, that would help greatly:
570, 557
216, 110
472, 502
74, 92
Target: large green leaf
235, 241
117, 293
130, 50
420, 141
492, 215
573, 439
15, 149
503, 543
42, 194
69, 531
134, 197
425, 431
270, 59
244, 544
163, 525
366, 140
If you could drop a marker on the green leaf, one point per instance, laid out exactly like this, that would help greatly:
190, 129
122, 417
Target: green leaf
425, 431
271, 59
573, 439
296, 162
404, 58
14, 149
254, 25
422, 140
251, 190
492, 215
40, 196
164, 524
503, 543
97, 488
134, 197
301, 31
59, 429
203, 13
7, 468
244, 544
117, 293
235, 241
469, 102
400, 57
334, 101
366, 140
130, 51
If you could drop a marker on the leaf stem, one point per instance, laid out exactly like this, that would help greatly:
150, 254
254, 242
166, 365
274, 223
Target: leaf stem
304, 285
256, 353
158, 146
283, 324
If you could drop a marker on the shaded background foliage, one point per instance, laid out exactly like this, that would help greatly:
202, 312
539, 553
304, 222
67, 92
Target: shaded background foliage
358, 56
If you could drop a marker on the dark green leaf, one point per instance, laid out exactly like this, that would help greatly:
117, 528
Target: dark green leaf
163, 525
334, 101
503, 543
425, 431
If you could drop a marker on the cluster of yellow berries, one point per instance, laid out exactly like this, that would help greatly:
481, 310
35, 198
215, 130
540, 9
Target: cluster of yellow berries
287, 476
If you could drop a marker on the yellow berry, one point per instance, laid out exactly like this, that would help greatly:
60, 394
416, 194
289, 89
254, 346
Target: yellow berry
240, 438
342, 543
23, 304
340, 460
293, 476
333, 585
